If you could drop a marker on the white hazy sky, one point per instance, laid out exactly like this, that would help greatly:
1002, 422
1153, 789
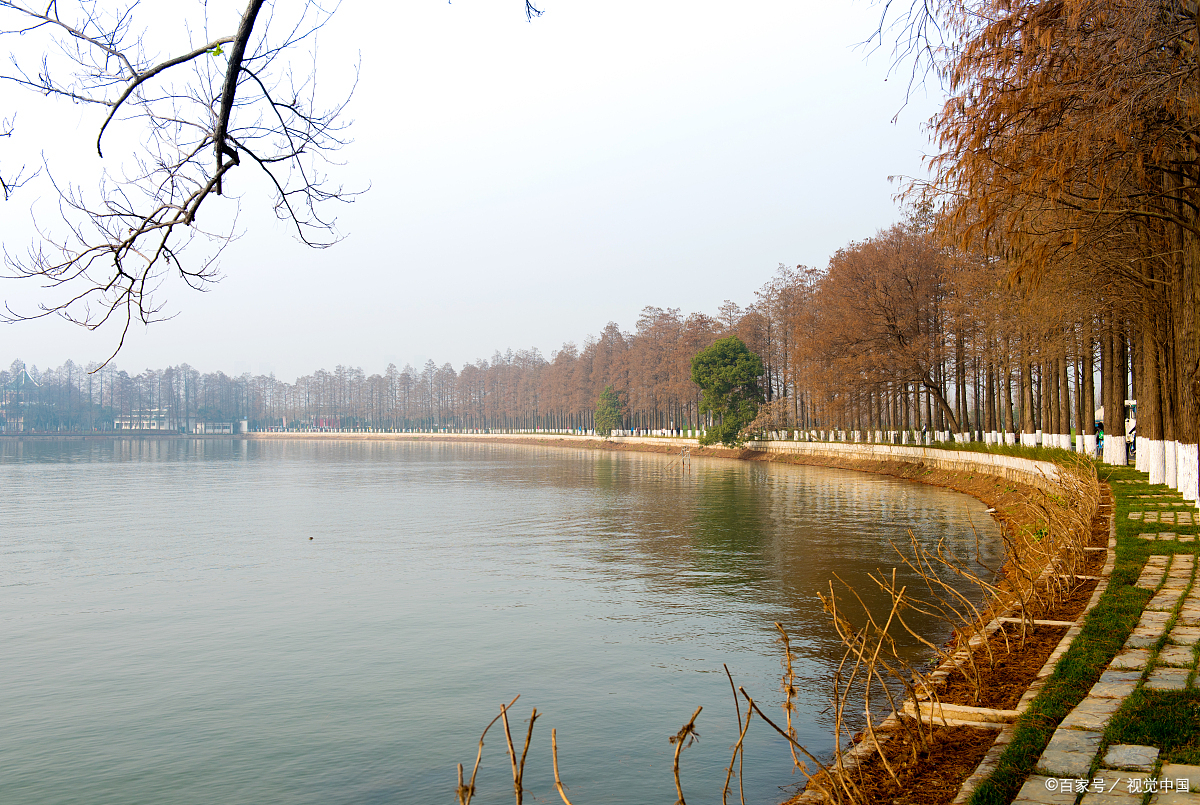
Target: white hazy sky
532, 181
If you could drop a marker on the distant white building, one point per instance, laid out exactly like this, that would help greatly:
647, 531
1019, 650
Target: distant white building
145, 419
212, 428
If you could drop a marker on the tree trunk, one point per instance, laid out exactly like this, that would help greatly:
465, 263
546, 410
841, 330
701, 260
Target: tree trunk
1187, 367
1064, 401
1027, 429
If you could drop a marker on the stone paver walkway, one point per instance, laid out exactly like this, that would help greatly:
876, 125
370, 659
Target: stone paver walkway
1071, 768
1169, 518
1175, 518
1165, 536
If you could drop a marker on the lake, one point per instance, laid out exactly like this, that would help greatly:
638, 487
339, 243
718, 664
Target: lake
296, 622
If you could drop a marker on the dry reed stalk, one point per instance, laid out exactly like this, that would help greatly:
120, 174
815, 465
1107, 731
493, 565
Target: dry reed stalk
867, 646
466, 792
738, 751
930, 609
844, 788
823, 776
1049, 558
944, 603
968, 620
518, 768
554, 753
687, 731
788, 685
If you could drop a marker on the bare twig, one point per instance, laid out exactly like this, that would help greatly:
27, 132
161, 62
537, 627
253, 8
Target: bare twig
688, 732
789, 685
738, 753
465, 793
557, 780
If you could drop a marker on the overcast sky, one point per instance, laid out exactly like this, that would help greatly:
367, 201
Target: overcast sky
532, 181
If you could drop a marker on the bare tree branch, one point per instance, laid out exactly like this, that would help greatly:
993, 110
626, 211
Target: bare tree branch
9, 184
239, 94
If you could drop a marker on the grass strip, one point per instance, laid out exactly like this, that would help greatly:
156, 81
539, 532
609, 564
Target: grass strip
1169, 720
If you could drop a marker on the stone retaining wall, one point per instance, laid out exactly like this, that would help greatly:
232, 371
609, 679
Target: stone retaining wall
1039, 474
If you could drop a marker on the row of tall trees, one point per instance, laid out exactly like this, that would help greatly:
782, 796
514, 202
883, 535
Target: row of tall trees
1068, 153
901, 334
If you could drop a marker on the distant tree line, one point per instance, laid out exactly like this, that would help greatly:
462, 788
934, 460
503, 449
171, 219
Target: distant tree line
649, 369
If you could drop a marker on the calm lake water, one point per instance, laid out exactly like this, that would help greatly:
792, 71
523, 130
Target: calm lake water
169, 632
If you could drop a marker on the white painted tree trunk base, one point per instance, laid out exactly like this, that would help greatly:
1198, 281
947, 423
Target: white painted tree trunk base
1139, 454
1152, 459
1029, 439
1010, 438
1186, 470
1114, 450
1091, 443
1170, 467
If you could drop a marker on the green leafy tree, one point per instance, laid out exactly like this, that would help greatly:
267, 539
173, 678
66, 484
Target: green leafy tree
728, 374
608, 412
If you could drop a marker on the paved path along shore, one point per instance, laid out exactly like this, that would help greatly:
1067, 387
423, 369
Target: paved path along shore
1079, 767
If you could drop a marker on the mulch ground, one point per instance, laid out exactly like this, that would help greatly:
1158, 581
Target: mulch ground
1013, 666
933, 776
1069, 607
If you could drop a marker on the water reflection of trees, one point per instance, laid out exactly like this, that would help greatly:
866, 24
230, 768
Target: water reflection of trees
771, 537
